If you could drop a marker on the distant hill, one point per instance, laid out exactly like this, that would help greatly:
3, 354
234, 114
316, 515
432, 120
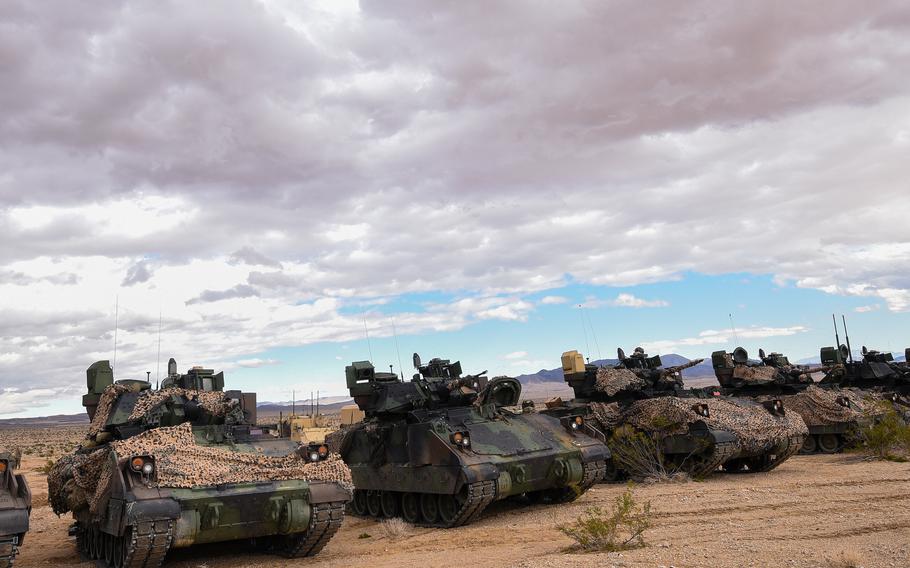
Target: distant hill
701, 372
55, 420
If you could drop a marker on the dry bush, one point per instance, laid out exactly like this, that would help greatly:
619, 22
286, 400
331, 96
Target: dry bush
846, 559
395, 528
640, 456
600, 530
887, 436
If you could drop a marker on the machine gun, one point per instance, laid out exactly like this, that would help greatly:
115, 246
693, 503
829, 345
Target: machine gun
652, 369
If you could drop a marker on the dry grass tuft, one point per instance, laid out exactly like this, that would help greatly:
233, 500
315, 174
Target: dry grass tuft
395, 528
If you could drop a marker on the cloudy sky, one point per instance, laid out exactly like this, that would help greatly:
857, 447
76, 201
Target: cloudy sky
492, 181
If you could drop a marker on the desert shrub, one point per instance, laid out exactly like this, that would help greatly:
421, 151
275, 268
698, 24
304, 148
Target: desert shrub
639, 455
886, 437
621, 528
46, 468
395, 528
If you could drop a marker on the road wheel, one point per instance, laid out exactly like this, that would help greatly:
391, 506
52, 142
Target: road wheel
374, 503
450, 505
359, 504
429, 508
810, 446
390, 504
410, 507
829, 443
734, 465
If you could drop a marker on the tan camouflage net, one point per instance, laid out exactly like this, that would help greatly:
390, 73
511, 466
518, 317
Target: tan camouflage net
105, 405
181, 463
611, 381
819, 407
756, 430
215, 402
754, 375
77, 480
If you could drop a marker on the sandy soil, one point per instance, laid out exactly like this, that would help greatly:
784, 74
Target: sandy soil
812, 511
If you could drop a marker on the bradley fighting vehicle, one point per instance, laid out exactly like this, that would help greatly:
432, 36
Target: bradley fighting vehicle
436, 450
696, 433
15, 506
830, 414
186, 464
603, 395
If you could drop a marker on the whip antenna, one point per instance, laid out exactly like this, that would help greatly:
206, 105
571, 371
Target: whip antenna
366, 332
584, 330
116, 325
593, 333
395, 334
847, 337
733, 329
158, 364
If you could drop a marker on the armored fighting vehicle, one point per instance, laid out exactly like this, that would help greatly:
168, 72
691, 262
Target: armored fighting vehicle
830, 414
695, 433
438, 449
186, 464
15, 507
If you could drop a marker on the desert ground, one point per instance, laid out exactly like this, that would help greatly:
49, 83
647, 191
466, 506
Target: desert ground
814, 511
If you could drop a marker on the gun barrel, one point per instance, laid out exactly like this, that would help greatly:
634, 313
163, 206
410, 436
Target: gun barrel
684, 366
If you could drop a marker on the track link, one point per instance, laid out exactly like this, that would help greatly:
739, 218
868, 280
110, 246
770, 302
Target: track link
148, 544
793, 444
480, 495
594, 472
325, 520
9, 548
721, 452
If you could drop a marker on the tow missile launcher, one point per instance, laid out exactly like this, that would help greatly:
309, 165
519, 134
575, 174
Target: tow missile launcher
830, 414
15, 507
438, 449
186, 464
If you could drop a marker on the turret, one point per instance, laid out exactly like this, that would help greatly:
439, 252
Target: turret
438, 384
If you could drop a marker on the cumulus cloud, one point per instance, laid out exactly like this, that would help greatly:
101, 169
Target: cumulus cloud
255, 363
238, 291
630, 301
718, 337
515, 355
866, 309
137, 274
553, 300
300, 158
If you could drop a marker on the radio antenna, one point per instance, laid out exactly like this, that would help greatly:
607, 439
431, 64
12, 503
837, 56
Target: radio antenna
584, 330
847, 337
593, 333
397, 351
116, 325
158, 364
733, 329
366, 332
836, 335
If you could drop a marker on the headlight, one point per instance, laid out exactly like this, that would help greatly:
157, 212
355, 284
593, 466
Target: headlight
461, 439
702, 410
323, 451
314, 456
142, 464
3, 466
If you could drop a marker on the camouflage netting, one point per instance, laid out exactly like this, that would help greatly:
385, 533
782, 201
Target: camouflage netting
757, 430
754, 375
612, 381
819, 407
79, 480
215, 402
105, 405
